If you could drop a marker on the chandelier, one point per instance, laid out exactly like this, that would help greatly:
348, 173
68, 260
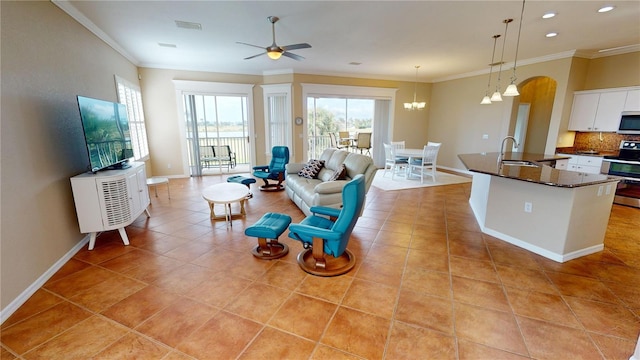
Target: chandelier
415, 105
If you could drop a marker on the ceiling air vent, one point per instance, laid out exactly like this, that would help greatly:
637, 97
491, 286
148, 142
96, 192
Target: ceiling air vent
167, 45
188, 25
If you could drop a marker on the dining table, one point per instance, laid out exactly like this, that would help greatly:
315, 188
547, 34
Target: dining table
349, 142
409, 153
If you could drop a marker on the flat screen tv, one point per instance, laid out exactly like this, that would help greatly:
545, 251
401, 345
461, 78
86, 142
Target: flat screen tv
106, 133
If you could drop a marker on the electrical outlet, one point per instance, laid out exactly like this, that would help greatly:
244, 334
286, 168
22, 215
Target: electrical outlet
485, 136
600, 190
608, 190
528, 207
168, 166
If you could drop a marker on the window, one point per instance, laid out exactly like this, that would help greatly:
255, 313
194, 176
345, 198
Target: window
277, 116
130, 95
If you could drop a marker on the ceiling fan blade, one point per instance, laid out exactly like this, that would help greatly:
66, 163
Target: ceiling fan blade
251, 57
296, 46
293, 56
243, 43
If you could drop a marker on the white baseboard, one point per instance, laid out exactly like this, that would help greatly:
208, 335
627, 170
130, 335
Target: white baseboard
455, 170
544, 252
29, 291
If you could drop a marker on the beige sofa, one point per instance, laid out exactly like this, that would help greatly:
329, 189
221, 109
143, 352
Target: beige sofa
320, 192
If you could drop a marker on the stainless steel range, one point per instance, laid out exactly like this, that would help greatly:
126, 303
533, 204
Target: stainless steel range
626, 165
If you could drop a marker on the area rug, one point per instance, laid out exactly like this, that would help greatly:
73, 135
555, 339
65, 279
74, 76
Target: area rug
400, 183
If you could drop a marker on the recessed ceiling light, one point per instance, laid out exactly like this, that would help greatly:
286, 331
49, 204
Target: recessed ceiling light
606, 9
548, 15
552, 34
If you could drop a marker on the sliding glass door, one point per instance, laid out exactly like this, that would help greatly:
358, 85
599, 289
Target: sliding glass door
214, 121
335, 115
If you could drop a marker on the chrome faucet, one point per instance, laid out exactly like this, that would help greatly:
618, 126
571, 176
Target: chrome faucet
515, 144
501, 155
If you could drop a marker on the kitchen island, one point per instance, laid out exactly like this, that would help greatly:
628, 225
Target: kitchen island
519, 198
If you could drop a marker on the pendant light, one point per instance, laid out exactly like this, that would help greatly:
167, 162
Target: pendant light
496, 95
486, 100
415, 105
512, 89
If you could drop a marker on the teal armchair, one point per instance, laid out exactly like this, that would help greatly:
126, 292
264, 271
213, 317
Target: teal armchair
275, 170
325, 234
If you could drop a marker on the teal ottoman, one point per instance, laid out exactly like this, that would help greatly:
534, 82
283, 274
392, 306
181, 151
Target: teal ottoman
267, 230
244, 180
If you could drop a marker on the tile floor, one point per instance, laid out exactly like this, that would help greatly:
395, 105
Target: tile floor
428, 285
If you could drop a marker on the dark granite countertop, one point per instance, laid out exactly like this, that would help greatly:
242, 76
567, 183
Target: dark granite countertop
487, 163
596, 153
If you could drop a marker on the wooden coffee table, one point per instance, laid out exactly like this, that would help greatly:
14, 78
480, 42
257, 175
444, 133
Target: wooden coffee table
226, 194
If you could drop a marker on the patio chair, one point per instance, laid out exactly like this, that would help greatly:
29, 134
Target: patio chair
224, 155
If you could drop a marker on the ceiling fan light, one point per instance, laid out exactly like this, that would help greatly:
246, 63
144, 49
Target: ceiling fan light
512, 90
275, 55
496, 96
485, 100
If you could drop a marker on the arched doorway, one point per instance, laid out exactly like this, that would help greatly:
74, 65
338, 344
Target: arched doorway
537, 94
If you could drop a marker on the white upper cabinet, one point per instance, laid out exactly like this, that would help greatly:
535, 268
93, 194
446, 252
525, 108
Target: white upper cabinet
610, 106
583, 112
633, 101
599, 110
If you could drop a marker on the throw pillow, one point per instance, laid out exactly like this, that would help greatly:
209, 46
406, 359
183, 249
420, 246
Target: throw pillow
339, 174
312, 169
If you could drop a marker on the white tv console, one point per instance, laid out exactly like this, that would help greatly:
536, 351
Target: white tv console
110, 200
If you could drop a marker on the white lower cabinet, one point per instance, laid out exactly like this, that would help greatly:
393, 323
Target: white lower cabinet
586, 164
562, 164
110, 200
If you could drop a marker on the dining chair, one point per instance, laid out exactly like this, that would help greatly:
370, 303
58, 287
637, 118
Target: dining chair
427, 164
399, 145
392, 163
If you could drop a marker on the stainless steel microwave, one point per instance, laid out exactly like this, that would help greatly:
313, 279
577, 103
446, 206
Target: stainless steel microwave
629, 122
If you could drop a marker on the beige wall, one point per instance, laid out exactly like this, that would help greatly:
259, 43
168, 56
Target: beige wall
47, 59
458, 120
613, 71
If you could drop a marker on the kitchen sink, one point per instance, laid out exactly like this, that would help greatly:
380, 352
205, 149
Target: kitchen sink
518, 163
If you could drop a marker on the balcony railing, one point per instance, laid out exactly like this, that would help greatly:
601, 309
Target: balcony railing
240, 146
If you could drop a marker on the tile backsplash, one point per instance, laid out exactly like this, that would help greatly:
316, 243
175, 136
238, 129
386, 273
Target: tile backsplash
601, 141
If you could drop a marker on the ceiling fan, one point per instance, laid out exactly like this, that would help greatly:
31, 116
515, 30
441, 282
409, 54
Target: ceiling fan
274, 51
